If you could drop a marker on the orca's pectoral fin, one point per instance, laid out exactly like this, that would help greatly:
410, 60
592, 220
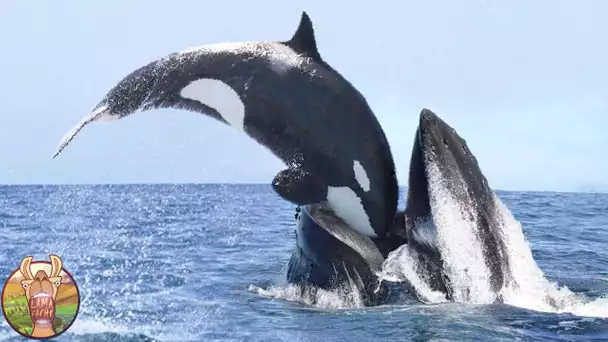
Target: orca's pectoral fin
96, 115
299, 187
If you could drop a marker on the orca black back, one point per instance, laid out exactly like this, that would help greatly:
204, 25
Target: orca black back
288, 99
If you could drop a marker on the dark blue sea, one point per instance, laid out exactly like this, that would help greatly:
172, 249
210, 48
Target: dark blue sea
206, 262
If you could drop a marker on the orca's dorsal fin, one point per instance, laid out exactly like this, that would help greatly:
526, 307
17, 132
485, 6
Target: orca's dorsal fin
303, 41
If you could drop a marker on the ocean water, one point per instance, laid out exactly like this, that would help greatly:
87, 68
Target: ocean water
206, 262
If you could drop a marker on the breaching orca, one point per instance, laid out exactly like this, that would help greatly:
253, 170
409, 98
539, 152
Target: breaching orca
443, 170
288, 99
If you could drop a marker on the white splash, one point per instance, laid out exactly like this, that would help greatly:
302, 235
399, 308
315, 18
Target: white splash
458, 241
348, 298
425, 233
402, 265
531, 289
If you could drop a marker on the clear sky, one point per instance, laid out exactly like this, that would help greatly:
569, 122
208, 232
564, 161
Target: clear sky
524, 82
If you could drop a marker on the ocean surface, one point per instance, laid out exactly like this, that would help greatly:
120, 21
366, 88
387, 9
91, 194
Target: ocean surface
206, 262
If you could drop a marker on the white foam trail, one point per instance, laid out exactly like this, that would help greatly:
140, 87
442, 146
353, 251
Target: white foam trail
97, 325
348, 298
84, 326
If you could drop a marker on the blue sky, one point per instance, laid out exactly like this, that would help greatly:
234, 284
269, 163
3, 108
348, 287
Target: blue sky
524, 82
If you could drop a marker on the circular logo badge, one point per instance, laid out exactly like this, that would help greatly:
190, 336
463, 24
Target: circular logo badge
40, 299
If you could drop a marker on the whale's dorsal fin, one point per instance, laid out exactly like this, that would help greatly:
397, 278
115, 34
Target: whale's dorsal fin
303, 40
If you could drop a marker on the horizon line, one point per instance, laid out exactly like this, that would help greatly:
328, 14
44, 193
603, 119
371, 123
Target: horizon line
599, 191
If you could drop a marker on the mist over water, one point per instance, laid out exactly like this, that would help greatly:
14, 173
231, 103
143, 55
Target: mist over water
207, 262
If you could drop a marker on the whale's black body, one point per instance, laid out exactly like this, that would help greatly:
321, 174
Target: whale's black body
440, 155
288, 99
331, 255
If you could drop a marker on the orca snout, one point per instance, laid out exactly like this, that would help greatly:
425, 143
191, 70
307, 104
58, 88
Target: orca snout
100, 113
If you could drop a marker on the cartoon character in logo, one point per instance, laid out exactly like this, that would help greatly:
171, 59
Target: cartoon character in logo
41, 293
40, 299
